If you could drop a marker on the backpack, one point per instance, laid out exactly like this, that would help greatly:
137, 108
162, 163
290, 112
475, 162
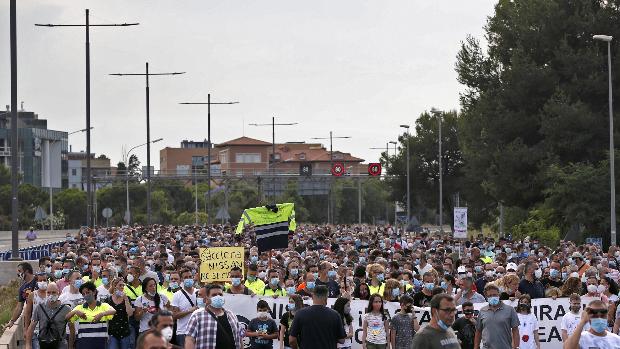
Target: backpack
53, 336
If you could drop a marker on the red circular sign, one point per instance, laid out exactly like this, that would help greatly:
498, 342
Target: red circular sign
338, 169
374, 169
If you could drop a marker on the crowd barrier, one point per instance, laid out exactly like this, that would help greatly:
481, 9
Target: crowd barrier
33, 252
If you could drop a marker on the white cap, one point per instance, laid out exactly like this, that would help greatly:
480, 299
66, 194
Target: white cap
461, 269
511, 266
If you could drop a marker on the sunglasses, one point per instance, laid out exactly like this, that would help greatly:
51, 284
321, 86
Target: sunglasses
449, 310
468, 312
601, 313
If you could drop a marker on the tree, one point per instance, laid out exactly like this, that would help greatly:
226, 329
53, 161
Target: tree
121, 168
73, 203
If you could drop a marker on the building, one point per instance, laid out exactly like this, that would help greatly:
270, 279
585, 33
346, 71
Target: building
247, 156
99, 167
42, 152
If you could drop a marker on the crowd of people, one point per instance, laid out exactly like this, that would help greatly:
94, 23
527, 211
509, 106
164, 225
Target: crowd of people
140, 287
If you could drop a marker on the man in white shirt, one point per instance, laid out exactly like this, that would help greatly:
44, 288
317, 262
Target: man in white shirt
572, 318
597, 336
183, 305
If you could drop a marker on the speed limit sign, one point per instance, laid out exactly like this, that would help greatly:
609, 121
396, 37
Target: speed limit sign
338, 169
374, 169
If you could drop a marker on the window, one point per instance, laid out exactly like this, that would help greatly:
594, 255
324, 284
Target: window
223, 157
74, 172
247, 158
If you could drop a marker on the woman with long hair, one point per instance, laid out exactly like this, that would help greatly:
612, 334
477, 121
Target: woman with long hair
295, 303
375, 325
361, 291
343, 307
571, 285
118, 327
149, 303
508, 287
393, 290
528, 324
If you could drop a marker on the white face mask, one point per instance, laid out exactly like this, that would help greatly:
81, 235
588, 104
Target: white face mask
538, 273
167, 333
592, 288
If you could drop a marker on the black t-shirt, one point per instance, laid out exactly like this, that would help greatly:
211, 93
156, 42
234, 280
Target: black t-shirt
332, 287
224, 338
465, 331
26, 289
119, 325
534, 289
286, 322
317, 326
421, 300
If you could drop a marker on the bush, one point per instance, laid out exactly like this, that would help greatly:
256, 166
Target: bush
538, 226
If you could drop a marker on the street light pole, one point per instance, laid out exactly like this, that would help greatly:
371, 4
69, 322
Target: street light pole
128, 212
208, 203
395, 202
147, 74
408, 178
87, 26
330, 201
14, 141
612, 179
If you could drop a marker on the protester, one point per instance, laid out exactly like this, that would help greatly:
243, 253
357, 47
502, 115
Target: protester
498, 324
35, 298
49, 317
118, 327
151, 339
212, 327
528, 324
597, 336
31, 235
343, 307
317, 326
262, 330
571, 319
375, 325
438, 334
163, 322
25, 273
403, 325
92, 318
465, 326
295, 303
467, 293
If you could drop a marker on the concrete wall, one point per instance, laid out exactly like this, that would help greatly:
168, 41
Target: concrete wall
8, 270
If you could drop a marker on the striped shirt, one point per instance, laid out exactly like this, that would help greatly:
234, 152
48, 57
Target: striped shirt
202, 326
91, 335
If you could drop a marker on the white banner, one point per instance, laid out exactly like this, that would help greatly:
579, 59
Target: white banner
460, 222
549, 313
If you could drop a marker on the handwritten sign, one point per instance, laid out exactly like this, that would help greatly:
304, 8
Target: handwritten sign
216, 262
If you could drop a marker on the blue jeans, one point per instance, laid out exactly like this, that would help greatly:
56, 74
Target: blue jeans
35, 341
115, 343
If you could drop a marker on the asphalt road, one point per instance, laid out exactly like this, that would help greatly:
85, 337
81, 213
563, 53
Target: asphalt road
43, 237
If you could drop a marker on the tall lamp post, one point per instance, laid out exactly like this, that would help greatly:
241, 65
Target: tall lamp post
128, 212
49, 175
330, 203
14, 140
612, 180
408, 179
395, 202
87, 26
147, 74
272, 159
440, 160
387, 162
209, 104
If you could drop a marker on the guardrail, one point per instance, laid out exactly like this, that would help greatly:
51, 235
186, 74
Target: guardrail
33, 252
13, 337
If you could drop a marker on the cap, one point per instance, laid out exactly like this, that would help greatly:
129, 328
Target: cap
461, 269
511, 266
577, 255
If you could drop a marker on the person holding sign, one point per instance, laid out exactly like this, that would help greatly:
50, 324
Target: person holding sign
597, 336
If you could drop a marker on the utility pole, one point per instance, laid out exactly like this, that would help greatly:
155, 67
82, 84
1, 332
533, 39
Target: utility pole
209, 104
330, 201
87, 26
147, 74
272, 158
14, 141
408, 178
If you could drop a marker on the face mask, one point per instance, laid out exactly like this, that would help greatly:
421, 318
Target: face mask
130, 278
310, 285
254, 259
174, 285
294, 272
598, 325
251, 278
488, 274
200, 302
167, 278
316, 275
554, 273
65, 271
77, 283
167, 333
262, 314
290, 306
478, 269
444, 285
442, 325
429, 286
89, 298
48, 270
105, 281
564, 276
217, 302
235, 281
52, 297
525, 306
119, 293
188, 283
331, 274
42, 285
262, 275
493, 301
290, 290
274, 281
85, 267
592, 288
395, 292
152, 294
57, 274
538, 273
601, 288
380, 277
362, 260
97, 269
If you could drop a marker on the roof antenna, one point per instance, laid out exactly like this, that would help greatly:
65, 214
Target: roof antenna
243, 127
22, 105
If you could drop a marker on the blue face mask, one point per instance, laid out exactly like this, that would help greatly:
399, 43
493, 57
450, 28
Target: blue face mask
429, 286
217, 302
235, 281
554, 273
564, 276
167, 277
362, 259
77, 283
105, 281
275, 281
294, 271
395, 292
57, 274
380, 277
417, 283
251, 278
331, 274
187, 283
310, 285
443, 325
291, 306
444, 285
598, 325
200, 302
493, 301
174, 285
290, 290
254, 259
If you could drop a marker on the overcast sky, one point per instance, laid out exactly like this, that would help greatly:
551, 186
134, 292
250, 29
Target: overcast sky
358, 68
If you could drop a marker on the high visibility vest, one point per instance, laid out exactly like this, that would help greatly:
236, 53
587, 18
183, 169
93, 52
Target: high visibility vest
376, 289
271, 224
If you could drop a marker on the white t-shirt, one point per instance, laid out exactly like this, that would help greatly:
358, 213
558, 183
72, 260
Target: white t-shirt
570, 322
102, 293
527, 325
180, 301
146, 305
588, 341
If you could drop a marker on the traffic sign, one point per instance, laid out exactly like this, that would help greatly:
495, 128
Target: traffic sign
305, 169
374, 169
107, 212
338, 169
